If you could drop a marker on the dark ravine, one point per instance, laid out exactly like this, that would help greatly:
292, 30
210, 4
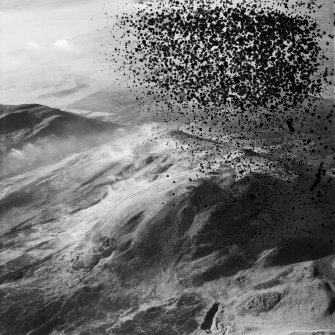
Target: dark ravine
206, 325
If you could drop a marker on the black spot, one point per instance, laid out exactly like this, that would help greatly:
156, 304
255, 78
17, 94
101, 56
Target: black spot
209, 317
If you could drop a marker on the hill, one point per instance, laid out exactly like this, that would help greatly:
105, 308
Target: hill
32, 135
135, 237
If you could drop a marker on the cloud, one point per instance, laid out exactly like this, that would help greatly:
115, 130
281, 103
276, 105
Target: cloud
59, 46
33, 45
63, 45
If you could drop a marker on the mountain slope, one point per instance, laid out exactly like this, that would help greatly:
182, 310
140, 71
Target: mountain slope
133, 238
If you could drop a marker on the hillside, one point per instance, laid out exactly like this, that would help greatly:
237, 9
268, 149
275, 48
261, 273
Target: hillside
135, 237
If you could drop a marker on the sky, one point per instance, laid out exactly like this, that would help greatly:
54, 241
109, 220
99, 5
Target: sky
51, 51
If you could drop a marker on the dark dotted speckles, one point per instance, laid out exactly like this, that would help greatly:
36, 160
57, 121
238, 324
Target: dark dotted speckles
220, 67
216, 65
213, 54
245, 81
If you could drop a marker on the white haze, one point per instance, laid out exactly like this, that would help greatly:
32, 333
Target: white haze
52, 51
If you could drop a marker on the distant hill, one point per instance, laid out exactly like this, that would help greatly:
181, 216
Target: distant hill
121, 106
33, 135
29, 123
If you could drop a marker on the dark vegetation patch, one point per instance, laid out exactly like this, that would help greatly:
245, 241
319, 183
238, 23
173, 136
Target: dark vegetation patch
262, 302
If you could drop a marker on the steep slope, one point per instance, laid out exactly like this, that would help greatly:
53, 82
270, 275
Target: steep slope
134, 238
